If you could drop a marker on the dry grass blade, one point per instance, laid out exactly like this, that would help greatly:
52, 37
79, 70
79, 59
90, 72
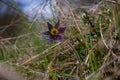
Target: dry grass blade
103, 38
36, 56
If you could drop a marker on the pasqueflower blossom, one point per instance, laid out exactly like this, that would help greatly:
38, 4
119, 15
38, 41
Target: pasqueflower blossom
54, 32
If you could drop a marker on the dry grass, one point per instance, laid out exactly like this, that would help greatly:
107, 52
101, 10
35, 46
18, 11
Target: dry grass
91, 45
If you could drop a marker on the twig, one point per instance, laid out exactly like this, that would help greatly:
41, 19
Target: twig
101, 68
9, 5
112, 1
36, 15
14, 8
3, 28
17, 37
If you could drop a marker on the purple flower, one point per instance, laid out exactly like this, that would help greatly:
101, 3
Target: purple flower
54, 32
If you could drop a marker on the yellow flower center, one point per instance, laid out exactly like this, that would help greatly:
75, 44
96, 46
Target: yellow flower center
54, 32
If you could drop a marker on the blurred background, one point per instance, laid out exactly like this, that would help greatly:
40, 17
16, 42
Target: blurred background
10, 11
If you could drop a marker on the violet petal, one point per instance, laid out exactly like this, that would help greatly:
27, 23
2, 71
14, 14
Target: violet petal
62, 29
46, 33
49, 26
60, 37
50, 38
57, 24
